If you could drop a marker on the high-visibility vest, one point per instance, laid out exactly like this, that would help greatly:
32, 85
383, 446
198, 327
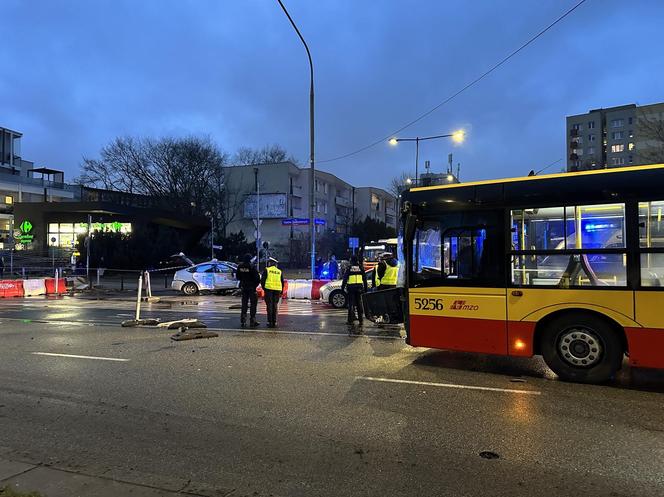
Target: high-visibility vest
355, 276
390, 277
273, 280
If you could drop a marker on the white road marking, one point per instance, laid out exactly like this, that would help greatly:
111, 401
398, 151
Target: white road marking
82, 357
449, 385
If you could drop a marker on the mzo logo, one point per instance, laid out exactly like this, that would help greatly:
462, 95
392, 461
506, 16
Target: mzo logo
460, 305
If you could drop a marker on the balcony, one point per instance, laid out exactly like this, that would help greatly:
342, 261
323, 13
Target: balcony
574, 145
343, 201
573, 157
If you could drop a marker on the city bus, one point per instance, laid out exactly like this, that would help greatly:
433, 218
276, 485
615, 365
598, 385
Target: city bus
371, 252
568, 266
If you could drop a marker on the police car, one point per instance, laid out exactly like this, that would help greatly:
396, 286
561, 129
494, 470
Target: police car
212, 275
337, 298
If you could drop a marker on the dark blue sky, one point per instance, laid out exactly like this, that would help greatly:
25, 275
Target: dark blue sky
76, 73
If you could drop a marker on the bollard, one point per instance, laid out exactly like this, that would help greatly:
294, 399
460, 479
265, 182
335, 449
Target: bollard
138, 300
23, 272
98, 277
121, 282
165, 280
56, 282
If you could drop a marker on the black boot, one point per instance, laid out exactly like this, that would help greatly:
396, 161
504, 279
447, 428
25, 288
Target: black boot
253, 323
243, 323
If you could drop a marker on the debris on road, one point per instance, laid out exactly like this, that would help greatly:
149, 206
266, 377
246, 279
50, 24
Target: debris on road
186, 334
182, 323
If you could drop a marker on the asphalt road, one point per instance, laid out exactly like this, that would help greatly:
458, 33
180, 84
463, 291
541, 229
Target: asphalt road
309, 410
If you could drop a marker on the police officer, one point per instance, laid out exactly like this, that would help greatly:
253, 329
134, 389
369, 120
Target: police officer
386, 272
248, 276
272, 282
354, 284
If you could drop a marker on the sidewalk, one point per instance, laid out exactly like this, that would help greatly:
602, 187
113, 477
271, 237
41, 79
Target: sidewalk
52, 482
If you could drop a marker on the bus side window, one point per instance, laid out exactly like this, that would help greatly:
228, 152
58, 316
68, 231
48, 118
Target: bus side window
464, 253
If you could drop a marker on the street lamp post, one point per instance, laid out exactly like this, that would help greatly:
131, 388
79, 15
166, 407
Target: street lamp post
457, 136
312, 169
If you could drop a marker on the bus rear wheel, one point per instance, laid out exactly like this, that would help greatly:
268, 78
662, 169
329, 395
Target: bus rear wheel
582, 347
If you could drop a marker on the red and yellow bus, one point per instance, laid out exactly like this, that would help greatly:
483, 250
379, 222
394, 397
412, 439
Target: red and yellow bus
569, 266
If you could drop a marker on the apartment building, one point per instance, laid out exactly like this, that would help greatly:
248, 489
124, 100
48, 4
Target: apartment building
613, 137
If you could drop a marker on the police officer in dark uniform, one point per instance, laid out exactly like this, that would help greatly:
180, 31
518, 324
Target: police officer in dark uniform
248, 276
354, 284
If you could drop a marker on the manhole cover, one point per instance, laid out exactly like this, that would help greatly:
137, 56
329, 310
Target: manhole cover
487, 454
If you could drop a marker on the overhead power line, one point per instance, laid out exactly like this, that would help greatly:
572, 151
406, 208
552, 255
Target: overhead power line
458, 92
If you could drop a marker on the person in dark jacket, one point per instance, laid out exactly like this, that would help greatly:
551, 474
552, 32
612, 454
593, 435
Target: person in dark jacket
386, 273
272, 282
248, 276
354, 284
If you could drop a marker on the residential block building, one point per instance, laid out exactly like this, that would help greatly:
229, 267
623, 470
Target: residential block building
613, 137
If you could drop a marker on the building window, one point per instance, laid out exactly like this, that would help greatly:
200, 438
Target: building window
619, 147
579, 140
618, 161
618, 135
9, 200
591, 138
579, 151
325, 207
317, 188
631, 133
617, 123
591, 150
630, 120
630, 146
576, 127
577, 163
591, 124
325, 187
631, 159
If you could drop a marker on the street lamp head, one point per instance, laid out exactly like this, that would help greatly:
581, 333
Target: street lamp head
459, 136
408, 181
450, 178
393, 141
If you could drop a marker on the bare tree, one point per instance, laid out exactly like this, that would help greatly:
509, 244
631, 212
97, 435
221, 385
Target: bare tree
650, 129
399, 184
269, 154
182, 171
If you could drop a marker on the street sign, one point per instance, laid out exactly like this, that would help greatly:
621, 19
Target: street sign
353, 242
319, 222
217, 247
294, 221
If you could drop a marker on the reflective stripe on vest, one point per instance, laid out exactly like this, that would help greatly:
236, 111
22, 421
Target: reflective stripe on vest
273, 280
355, 279
390, 276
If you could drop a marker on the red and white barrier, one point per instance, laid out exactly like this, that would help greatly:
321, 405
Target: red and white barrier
299, 289
32, 288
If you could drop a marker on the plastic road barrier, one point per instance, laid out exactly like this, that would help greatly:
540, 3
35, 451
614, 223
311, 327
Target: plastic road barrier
50, 286
11, 288
32, 288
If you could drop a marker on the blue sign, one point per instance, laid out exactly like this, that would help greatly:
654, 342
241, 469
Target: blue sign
353, 242
294, 221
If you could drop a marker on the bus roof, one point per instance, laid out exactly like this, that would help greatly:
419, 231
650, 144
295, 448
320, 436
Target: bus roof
642, 183
542, 177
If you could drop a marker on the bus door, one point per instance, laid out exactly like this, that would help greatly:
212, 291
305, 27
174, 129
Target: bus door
450, 305
647, 344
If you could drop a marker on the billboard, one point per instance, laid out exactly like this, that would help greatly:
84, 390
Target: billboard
273, 206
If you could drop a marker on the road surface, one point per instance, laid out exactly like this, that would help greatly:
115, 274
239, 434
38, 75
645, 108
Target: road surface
309, 409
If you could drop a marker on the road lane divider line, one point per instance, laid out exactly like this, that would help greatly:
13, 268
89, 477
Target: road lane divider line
51, 354
449, 385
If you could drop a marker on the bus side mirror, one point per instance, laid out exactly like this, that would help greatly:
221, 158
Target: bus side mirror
409, 226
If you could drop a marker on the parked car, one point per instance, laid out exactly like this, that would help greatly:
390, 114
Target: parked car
333, 295
212, 275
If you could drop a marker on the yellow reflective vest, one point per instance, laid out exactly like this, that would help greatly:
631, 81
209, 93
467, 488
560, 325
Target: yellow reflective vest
273, 280
390, 276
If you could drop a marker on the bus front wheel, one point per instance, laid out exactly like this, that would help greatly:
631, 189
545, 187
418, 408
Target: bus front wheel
582, 347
